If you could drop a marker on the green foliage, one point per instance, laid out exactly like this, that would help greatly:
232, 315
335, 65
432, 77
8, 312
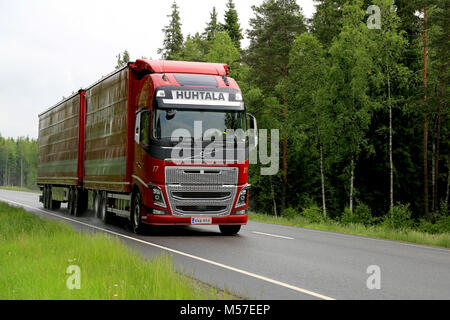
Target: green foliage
290, 213
212, 27
376, 231
35, 254
399, 217
223, 51
231, 25
18, 162
313, 213
362, 214
173, 36
194, 49
327, 20
122, 59
273, 29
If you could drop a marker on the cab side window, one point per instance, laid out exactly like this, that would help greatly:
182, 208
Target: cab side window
145, 128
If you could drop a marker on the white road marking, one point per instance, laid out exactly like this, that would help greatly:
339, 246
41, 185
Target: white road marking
247, 273
272, 235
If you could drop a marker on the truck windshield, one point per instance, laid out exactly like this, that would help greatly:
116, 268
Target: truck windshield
165, 122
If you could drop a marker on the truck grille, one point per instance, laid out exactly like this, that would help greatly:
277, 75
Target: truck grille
201, 175
201, 190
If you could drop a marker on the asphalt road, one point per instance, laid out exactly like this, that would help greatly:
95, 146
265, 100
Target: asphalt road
266, 261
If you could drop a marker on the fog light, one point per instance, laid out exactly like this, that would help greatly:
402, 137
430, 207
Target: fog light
240, 212
160, 212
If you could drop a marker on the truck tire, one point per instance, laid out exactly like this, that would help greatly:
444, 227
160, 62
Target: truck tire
44, 197
70, 202
136, 213
104, 214
56, 205
96, 204
48, 198
229, 230
77, 202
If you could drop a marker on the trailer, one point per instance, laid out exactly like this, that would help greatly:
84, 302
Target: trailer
156, 142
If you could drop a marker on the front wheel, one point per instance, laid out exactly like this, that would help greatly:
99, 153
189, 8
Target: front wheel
136, 214
229, 230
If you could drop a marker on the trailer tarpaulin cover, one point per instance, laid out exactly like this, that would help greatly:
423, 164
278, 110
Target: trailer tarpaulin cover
58, 143
106, 133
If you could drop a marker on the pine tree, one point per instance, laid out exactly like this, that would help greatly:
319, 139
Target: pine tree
122, 59
173, 36
212, 27
232, 25
326, 22
273, 31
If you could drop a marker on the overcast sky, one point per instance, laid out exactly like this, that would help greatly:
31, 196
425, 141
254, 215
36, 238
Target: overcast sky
50, 48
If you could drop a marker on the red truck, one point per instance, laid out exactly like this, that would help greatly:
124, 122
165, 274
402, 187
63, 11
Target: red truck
111, 147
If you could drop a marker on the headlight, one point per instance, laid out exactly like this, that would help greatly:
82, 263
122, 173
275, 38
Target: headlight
158, 197
242, 200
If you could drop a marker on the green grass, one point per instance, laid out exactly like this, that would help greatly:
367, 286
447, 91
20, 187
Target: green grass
35, 254
375, 231
12, 188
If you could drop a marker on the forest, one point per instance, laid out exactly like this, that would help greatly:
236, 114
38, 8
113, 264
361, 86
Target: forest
359, 93
18, 162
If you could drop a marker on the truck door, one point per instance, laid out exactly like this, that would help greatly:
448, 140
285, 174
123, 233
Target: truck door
142, 140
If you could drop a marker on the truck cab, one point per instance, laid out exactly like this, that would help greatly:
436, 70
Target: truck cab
191, 147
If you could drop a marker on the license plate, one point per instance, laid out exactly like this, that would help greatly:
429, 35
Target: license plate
201, 220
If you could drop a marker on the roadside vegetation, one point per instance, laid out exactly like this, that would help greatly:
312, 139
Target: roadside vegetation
35, 254
397, 224
12, 188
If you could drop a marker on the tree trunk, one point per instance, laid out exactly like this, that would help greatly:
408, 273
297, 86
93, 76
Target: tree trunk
425, 121
433, 173
322, 175
448, 181
324, 206
21, 173
438, 141
391, 162
6, 168
283, 194
352, 179
273, 198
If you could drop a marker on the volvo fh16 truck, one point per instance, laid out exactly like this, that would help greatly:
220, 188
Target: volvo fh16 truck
156, 142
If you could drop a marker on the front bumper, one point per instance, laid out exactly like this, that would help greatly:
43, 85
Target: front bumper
152, 219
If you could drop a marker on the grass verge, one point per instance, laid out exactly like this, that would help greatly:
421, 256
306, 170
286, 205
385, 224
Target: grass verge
375, 231
11, 188
35, 254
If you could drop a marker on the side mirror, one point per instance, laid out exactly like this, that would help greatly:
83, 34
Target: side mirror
253, 132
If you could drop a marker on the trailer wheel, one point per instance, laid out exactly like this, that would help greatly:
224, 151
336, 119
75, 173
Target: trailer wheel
136, 213
70, 202
56, 205
97, 198
45, 197
229, 230
77, 202
104, 214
